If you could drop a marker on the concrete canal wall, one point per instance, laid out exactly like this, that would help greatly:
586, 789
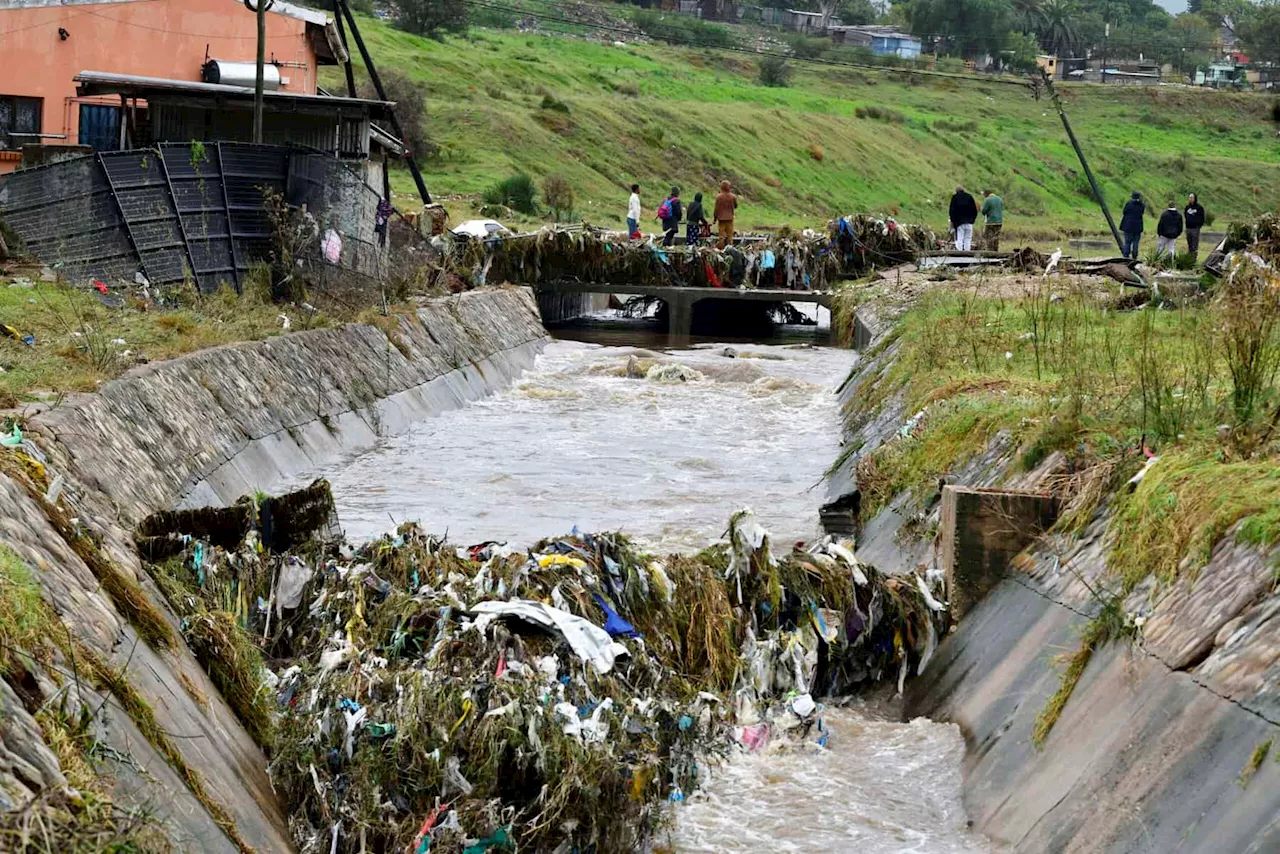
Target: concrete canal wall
207, 428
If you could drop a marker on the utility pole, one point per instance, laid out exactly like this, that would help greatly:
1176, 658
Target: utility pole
1088, 173
261, 12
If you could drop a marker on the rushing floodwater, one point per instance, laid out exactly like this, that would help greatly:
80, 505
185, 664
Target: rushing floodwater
665, 446
882, 787
666, 459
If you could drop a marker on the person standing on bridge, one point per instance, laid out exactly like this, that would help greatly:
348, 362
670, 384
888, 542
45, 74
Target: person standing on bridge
993, 214
1194, 220
695, 221
633, 213
1131, 224
1168, 230
726, 208
963, 214
670, 213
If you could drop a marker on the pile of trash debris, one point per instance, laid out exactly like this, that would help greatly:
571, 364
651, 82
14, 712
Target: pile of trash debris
805, 260
428, 697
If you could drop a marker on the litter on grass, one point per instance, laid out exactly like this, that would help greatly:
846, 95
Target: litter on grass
425, 697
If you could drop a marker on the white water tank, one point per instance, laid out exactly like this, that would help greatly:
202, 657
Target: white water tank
240, 74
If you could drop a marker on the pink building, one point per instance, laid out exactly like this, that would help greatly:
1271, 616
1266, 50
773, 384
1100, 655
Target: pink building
46, 44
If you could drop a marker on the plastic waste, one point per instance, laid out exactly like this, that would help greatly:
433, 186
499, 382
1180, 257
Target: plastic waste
14, 439
294, 576
589, 642
613, 624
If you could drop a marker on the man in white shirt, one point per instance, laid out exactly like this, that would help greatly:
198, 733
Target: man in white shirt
633, 211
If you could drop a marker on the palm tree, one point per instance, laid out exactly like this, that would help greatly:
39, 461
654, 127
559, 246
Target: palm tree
1029, 14
1058, 35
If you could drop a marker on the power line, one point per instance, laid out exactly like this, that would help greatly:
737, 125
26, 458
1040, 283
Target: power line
735, 49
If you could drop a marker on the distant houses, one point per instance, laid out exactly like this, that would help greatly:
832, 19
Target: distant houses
882, 40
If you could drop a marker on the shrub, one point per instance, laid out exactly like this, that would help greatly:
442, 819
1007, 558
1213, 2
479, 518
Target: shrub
880, 114
1184, 261
682, 29
947, 126
816, 152
491, 16
517, 192
628, 88
1182, 161
803, 47
430, 17
411, 111
551, 102
774, 71
558, 194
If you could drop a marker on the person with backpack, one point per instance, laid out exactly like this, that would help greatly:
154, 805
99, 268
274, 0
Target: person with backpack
963, 213
695, 222
670, 213
1194, 217
1131, 224
633, 213
1168, 230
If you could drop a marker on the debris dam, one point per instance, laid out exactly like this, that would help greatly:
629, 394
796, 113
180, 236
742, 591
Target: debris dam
1146, 756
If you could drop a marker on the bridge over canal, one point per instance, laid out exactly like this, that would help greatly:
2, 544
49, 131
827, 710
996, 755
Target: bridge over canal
681, 300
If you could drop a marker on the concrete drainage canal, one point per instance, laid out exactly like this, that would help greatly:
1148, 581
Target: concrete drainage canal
666, 447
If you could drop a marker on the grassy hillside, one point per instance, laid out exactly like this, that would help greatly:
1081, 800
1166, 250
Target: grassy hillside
836, 139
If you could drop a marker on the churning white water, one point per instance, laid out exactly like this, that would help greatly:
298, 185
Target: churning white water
665, 446
665, 454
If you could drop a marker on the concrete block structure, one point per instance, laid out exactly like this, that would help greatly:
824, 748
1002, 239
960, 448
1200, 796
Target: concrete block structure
980, 531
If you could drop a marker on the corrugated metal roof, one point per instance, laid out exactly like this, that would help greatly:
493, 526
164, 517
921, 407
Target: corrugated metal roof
104, 83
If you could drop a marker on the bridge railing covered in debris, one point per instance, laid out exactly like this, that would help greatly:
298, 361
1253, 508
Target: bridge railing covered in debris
791, 260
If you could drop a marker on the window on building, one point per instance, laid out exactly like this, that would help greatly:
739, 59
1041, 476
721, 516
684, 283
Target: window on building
18, 116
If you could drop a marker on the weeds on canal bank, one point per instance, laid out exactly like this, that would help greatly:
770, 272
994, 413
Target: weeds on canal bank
1053, 366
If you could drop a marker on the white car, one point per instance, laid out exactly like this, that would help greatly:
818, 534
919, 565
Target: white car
482, 228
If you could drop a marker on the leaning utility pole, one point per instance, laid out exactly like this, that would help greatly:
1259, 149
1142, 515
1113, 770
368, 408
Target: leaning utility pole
382, 94
261, 12
1088, 173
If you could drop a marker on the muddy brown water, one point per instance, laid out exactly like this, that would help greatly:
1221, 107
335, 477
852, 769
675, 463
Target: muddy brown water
666, 454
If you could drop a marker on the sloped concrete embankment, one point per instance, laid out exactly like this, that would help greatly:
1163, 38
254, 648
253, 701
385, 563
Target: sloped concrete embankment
1149, 750
207, 428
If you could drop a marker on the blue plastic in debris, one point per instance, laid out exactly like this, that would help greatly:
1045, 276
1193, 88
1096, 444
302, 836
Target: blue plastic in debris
685, 722
613, 624
349, 706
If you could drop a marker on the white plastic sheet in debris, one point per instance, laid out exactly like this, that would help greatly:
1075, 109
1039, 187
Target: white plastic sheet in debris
588, 641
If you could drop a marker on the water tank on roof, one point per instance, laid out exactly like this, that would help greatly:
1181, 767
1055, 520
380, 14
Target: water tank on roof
240, 74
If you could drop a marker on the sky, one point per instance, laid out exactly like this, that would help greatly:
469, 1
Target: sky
1173, 7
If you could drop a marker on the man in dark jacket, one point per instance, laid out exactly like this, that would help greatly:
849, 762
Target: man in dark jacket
1131, 224
1168, 229
671, 224
963, 214
1194, 216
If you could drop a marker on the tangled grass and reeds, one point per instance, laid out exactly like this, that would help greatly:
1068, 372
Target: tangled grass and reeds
425, 696
794, 260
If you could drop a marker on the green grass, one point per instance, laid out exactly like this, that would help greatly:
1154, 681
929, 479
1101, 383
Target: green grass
659, 115
1256, 758
75, 334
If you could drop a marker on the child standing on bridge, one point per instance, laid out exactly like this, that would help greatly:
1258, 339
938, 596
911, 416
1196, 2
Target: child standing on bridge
695, 221
633, 213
